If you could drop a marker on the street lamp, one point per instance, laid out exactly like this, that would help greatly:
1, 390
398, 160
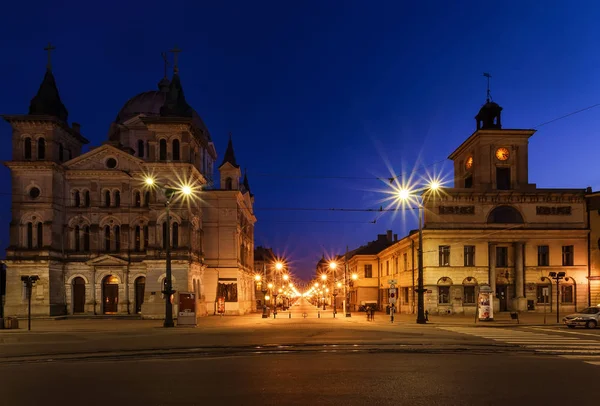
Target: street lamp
557, 276
170, 193
405, 195
324, 278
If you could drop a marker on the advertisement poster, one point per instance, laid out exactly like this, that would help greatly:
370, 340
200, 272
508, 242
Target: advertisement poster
486, 306
221, 305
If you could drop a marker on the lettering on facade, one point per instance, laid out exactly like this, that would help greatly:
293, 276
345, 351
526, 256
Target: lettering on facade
457, 209
553, 211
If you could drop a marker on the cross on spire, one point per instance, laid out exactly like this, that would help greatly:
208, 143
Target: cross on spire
164, 56
488, 95
175, 52
49, 49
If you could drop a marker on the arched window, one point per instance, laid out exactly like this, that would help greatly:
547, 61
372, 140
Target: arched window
86, 238
40, 235
141, 148
61, 152
117, 238
138, 199
146, 234
117, 198
27, 151
29, 235
229, 184
505, 214
162, 150
77, 198
175, 239
137, 238
107, 198
41, 148
76, 236
106, 238
175, 150
147, 199
86, 199
164, 235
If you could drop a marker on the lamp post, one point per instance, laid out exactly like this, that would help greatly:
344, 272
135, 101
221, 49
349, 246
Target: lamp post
29, 282
333, 267
557, 276
324, 278
168, 285
405, 195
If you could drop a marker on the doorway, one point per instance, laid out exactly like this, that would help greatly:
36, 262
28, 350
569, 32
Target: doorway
502, 295
110, 294
140, 286
78, 295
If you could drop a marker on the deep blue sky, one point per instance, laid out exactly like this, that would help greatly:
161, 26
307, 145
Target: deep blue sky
315, 90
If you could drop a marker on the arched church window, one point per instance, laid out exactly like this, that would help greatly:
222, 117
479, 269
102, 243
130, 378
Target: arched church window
40, 235
41, 148
505, 214
77, 199
27, 151
86, 199
141, 148
175, 238
175, 150
147, 199
164, 235
76, 237
106, 238
163, 150
137, 238
29, 235
61, 152
117, 198
138, 199
86, 238
146, 236
117, 238
107, 198
229, 184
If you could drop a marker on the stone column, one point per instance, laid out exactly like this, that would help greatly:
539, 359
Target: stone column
492, 265
520, 302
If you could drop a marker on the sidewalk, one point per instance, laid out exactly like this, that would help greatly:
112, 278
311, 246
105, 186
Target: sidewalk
500, 319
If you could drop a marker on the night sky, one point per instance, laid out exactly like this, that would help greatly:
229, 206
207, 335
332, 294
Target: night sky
323, 97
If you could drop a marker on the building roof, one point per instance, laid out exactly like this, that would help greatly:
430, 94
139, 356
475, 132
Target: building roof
229, 155
47, 100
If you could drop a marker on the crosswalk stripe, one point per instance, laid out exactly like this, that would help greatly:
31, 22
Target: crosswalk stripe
593, 362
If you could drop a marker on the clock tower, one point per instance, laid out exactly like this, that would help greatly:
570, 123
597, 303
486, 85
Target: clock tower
492, 158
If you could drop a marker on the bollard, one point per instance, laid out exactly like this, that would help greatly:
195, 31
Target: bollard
318, 315
290, 315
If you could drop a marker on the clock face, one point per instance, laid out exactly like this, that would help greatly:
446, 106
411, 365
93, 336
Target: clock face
469, 163
502, 154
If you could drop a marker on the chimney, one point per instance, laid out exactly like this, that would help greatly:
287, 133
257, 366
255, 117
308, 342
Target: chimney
76, 127
389, 235
395, 237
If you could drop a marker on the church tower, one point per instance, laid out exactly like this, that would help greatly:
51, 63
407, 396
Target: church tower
230, 170
492, 158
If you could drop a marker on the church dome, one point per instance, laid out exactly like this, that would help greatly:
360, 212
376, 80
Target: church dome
149, 104
489, 116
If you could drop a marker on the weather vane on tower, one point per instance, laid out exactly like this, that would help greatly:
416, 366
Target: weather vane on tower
49, 48
488, 96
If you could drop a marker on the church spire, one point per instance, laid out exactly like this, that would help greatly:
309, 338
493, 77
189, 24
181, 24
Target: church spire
230, 155
47, 100
175, 104
246, 183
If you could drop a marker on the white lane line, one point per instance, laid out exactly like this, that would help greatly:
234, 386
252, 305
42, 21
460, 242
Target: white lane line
567, 332
584, 351
579, 356
593, 362
568, 347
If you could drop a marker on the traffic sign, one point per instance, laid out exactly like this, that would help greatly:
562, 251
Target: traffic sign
392, 295
392, 281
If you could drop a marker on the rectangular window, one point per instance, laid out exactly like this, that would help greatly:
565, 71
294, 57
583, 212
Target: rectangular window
566, 294
469, 255
469, 182
368, 271
405, 260
443, 294
543, 255
503, 178
396, 265
567, 255
405, 294
469, 295
502, 257
543, 294
387, 267
444, 251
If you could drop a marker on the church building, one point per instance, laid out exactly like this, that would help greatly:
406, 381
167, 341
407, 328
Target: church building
93, 231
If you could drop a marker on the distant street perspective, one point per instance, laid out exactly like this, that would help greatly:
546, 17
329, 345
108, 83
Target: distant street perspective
303, 355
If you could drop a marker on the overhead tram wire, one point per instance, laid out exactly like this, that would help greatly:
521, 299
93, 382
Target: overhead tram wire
392, 178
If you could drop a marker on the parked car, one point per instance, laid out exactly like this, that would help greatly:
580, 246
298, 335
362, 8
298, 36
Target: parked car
590, 318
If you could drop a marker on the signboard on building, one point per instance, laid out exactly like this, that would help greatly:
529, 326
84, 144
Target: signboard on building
221, 305
186, 315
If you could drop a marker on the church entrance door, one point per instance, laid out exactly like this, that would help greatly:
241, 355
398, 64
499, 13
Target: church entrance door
110, 294
140, 285
78, 295
502, 294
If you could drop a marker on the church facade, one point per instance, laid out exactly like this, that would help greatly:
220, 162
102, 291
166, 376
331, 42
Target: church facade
94, 232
